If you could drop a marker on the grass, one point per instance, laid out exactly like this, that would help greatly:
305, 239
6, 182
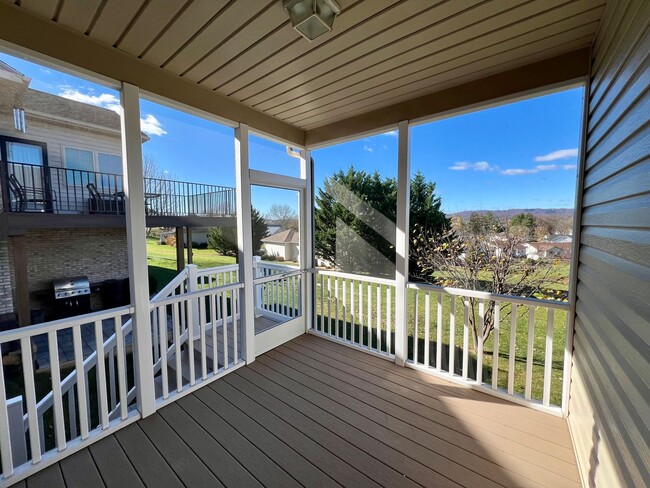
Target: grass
162, 261
162, 265
521, 335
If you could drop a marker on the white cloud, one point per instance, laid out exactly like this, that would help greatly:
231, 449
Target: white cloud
104, 100
392, 133
479, 166
560, 154
367, 148
537, 169
151, 126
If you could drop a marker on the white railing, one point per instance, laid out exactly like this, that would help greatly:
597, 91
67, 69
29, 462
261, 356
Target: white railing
217, 276
277, 290
356, 310
74, 409
521, 353
198, 338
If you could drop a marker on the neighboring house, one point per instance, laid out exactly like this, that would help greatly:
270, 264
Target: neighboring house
559, 238
542, 250
283, 245
499, 244
63, 145
62, 204
273, 226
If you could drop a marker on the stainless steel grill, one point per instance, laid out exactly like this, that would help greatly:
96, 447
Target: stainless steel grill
71, 287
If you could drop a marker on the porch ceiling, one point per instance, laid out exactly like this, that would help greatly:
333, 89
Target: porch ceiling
380, 53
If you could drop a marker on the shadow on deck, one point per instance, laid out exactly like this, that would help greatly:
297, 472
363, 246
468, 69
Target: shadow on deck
315, 413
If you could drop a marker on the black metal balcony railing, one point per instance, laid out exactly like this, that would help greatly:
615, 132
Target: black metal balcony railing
34, 188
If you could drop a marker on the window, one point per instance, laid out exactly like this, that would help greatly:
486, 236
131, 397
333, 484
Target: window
80, 160
109, 163
24, 153
86, 164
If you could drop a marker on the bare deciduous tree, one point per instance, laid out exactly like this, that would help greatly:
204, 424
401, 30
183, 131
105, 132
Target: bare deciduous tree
483, 261
284, 215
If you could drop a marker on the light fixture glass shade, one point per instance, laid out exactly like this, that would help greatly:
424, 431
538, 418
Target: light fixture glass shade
312, 18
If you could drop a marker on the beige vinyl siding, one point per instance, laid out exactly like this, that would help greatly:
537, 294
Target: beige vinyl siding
58, 136
609, 406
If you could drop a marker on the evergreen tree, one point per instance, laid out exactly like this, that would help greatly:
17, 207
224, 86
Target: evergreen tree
355, 220
224, 239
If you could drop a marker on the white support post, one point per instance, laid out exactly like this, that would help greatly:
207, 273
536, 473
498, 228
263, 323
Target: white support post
193, 285
307, 302
257, 273
137, 248
245, 242
402, 244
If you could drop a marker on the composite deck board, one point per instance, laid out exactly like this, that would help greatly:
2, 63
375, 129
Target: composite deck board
113, 464
180, 457
50, 477
275, 448
315, 413
247, 453
222, 464
145, 458
455, 444
282, 404
80, 471
463, 403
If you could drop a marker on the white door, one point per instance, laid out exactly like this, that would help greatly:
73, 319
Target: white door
279, 275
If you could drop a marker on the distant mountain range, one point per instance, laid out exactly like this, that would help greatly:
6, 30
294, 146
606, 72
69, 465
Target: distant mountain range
537, 212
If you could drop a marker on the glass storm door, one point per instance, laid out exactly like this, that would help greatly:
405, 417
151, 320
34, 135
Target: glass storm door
279, 281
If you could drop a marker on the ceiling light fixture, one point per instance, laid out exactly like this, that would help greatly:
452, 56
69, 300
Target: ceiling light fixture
312, 18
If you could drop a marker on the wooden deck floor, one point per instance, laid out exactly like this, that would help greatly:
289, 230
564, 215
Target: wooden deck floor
315, 413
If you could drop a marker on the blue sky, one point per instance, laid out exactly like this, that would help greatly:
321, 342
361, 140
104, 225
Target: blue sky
518, 155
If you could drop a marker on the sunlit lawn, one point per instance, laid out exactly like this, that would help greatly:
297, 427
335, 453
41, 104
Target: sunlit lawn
521, 334
162, 265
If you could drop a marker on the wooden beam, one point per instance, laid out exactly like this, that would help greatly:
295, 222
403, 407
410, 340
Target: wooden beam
180, 252
189, 245
522, 81
21, 277
78, 51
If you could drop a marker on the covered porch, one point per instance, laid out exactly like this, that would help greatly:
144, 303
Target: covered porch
267, 374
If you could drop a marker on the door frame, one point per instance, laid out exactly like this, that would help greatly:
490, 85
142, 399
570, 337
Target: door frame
4, 169
292, 328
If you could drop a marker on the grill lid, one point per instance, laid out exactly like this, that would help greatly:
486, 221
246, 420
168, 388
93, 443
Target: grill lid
69, 287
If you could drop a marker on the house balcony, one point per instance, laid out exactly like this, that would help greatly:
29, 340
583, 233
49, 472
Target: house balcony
45, 197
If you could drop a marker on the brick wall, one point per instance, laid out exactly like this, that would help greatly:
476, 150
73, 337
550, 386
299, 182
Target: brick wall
99, 254
6, 299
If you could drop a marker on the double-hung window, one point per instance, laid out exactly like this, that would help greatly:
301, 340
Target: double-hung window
84, 166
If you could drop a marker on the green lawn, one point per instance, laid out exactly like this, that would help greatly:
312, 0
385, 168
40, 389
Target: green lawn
162, 261
162, 265
521, 335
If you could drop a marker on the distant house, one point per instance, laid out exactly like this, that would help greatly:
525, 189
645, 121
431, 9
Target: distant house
559, 238
542, 250
274, 226
283, 245
498, 244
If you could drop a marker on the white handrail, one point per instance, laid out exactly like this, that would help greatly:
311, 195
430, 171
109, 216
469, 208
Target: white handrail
56, 325
350, 276
69, 381
536, 302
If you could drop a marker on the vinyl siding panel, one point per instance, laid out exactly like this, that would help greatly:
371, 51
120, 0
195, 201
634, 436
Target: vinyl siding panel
609, 406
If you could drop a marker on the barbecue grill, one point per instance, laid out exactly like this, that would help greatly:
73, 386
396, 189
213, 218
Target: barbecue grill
72, 296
